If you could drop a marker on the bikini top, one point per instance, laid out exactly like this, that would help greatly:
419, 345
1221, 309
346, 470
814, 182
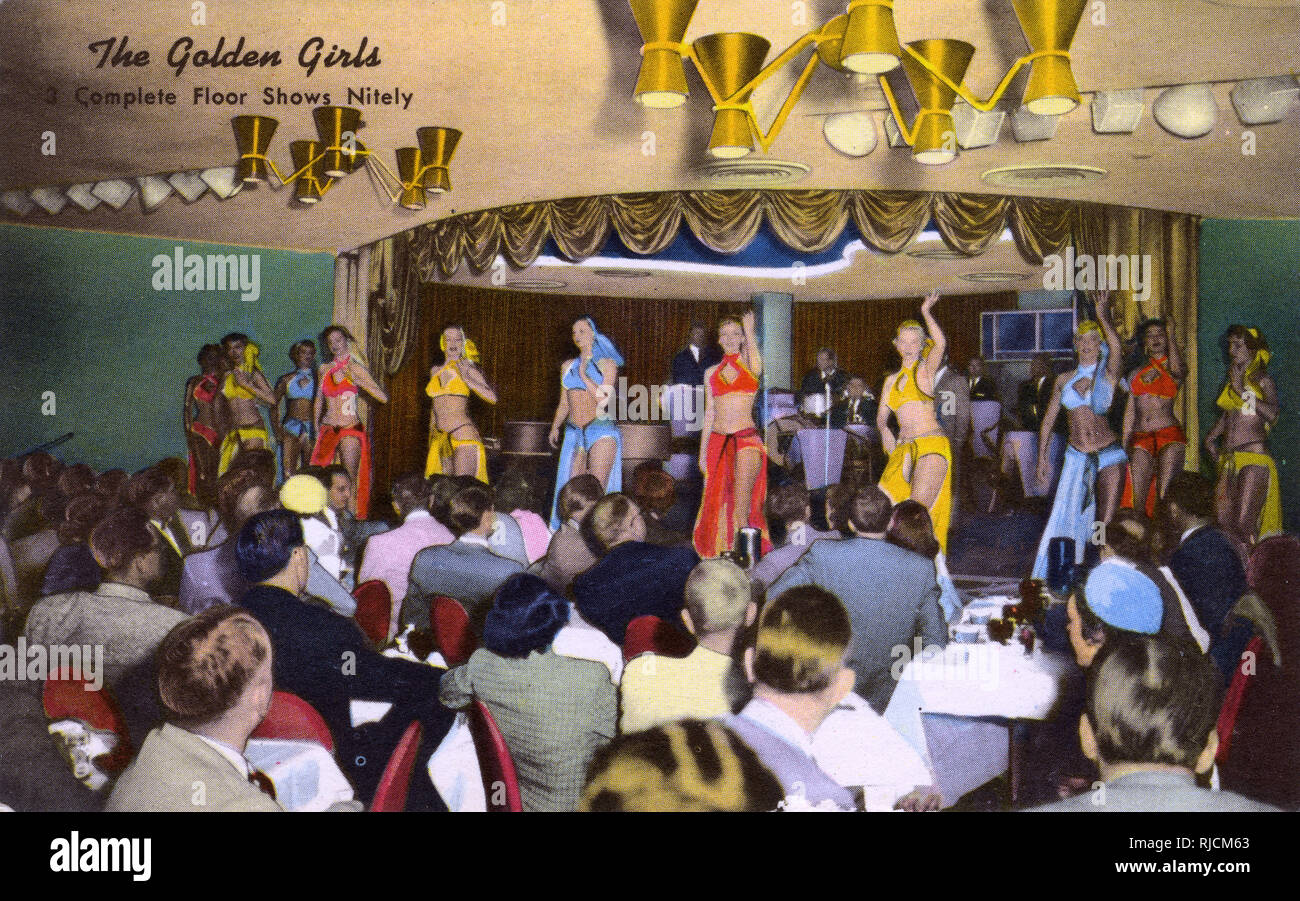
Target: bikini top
906, 389
233, 389
206, 389
330, 388
295, 390
1098, 397
743, 381
456, 386
572, 380
1154, 378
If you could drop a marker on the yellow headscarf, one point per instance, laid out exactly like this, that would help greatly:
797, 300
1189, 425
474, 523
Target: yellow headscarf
251, 353
470, 351
1229, 398
912, 323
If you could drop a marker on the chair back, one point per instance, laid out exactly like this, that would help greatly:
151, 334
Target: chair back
451, 630
293, 719
395, 783
1233, 698
69, 698
650, 634
985, 416
374, 609
500, 781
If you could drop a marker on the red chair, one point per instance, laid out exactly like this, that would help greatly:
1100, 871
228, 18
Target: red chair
390, 796
374, 610
451, 630
650, 634
68, 698
1232, 699
294, 719
494, 762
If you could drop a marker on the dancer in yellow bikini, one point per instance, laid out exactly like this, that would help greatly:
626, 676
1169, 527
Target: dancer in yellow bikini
455, 446
1249, 499
920, 458
245, 387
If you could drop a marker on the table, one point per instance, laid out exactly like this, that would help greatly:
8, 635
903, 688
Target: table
304, 774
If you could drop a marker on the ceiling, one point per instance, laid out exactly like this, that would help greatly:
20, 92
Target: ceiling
544, 100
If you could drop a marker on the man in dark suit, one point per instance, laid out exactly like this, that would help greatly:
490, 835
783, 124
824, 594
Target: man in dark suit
326, 660
981, 386
690, 363
827, 372
891, 594
1035, 394
466, 569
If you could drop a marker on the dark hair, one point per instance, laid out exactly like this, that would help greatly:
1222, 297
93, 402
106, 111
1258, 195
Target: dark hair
653, 489
231, 338
869, 510
525, 616
802, 638
209, 356
300, 345
205, 663
76, 479
787, 504
80, 515
230, 488
40, 470
411, 491
259, 459
1253, 343
145, 485
1128, 534
516, 490
910, 528
120, 537
442, 488
329, 471
465, 512
266, 542
584, 489
325, 338
839, 498
1150, 700
110, 483
1193, 494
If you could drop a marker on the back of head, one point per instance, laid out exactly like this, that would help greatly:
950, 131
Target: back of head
516, 490
110, 483
265, 544
76, 479
803, 636
717, 595
525, 617
411, 492
578, 494
465, 512
787, 504
910, 528
230, 488
653, 489
1116, 597
205, 663
869, 511
689, 765
80, 516
607, 522
442, 488
120, 537
1152, 701
145, 485
40, 471
260, 460
1191, 494
1128, 534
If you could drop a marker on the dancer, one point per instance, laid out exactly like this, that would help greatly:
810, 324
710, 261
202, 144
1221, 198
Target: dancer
920, 457
732, 455
455, 446
592, 442
297, 432
338, 427
204, 421
1248, 498
244, 388
1157, 445
1092, 475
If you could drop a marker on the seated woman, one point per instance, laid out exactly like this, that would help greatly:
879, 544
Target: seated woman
568, 554
245, 387
1248, 497
1157, 445
297, 431
732, 454
455, 446
1092, 475
910, 528
592, 442
338, 426
920, 457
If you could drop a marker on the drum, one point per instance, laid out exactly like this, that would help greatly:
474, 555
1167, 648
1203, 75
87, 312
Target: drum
526, 439
814, 405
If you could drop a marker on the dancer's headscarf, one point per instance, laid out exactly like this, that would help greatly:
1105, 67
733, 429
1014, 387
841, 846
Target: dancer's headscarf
601, 347
469, 350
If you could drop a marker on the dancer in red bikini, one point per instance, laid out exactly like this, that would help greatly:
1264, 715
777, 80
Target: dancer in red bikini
1155, 439
732, 456
339, 429
204, 420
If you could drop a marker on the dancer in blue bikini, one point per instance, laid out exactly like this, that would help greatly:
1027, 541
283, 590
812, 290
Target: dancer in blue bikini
592, 442
296, 433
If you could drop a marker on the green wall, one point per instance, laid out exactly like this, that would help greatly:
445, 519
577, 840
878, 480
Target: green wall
1250, 274
79, 316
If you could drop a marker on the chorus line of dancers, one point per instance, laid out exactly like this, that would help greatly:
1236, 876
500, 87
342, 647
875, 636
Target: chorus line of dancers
1101, 472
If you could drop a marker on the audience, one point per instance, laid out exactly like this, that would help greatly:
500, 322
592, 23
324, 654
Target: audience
72, 567
152, 493
1116, 603
911, 528
517, 492
789, 516
632, 577
554, 712
211, 577
658, 689
891, 594
655, 494
1149, 723
568, 553
1128, 541
306, 495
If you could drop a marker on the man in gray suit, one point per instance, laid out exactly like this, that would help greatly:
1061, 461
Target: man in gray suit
466, 569
1149, 724
891, 594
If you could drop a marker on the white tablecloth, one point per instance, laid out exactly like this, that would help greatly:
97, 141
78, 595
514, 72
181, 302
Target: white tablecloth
304, 773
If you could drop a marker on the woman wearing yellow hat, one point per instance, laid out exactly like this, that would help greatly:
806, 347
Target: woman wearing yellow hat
455, 446
1249, 500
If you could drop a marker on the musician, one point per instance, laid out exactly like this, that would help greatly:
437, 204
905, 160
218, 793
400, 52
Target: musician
981, 387
827, 372
860, 404
1034, 395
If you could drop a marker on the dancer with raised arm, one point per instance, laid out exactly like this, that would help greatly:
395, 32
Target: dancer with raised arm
339, 429
732, 456
1248, 497
297, 431
245, 387
920, 456
1157, 445
204, 418
455, 446
592, 442
1092, 476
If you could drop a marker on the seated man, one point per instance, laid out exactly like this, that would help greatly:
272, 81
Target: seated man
892, 594
568, 554
326, 660
790, 506
798, 669
554, 712
659, 689
1148, 722
466, 570
214, 677
633, 578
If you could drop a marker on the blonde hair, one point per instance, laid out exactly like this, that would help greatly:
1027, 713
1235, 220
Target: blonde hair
1087, 327
606, 522
717, 595
802, 638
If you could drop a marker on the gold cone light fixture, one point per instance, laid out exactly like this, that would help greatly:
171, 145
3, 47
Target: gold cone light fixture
1049, 27
870, 39
337, 128
727, 62
934, 135
253, 139
307, 186
408, 170
661, 83
437, 145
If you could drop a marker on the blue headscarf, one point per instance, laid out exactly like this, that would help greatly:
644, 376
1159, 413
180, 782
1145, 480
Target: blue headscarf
601, 347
